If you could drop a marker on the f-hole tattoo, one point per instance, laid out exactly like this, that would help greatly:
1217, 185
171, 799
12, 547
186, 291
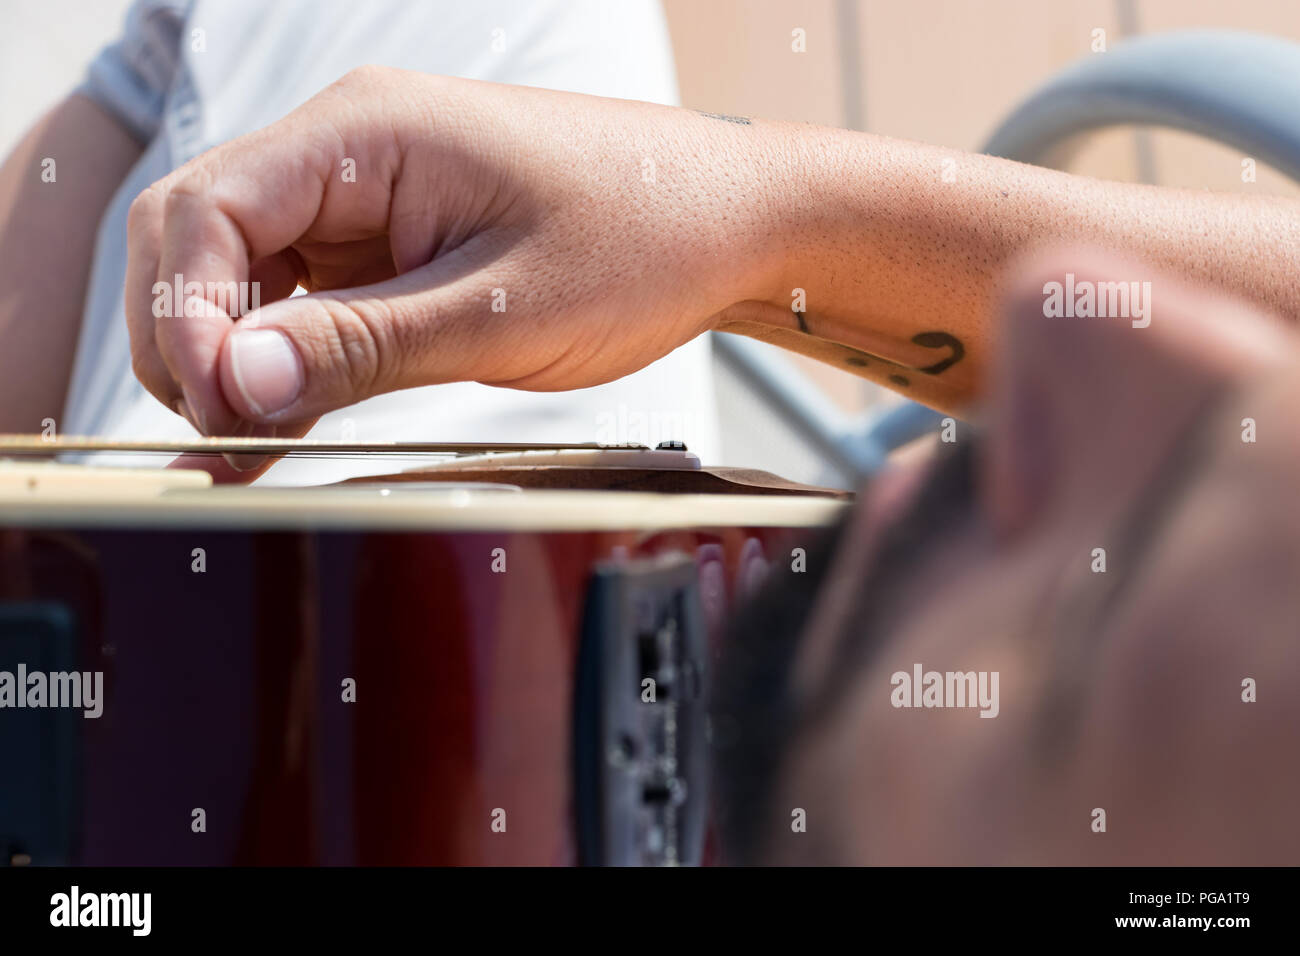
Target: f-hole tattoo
938, 340
930, 340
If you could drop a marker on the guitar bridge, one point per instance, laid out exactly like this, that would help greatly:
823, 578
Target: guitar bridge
641, 766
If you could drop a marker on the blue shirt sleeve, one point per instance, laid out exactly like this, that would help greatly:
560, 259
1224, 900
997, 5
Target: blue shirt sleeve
130, 78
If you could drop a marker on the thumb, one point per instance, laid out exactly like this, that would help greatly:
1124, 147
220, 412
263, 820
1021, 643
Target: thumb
299, 358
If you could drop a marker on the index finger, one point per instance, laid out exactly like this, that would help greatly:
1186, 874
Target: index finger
190, 249
193, 236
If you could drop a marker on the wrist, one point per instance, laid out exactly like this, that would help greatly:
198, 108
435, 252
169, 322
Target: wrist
805, 233
741, 200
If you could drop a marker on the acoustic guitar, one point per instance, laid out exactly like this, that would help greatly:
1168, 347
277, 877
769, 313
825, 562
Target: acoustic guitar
502, 656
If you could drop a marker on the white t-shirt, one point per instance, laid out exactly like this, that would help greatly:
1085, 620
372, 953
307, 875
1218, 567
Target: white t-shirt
187, 75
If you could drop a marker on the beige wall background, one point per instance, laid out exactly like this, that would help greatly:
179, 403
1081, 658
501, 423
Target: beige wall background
944, 71
947, 72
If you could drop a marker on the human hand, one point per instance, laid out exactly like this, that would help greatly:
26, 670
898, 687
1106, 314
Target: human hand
510, 236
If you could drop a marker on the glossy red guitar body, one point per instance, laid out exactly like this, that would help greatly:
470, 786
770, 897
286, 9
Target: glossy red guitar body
313, 690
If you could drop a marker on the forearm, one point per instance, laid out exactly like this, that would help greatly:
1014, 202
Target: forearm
47, 238
543, 240
891, 240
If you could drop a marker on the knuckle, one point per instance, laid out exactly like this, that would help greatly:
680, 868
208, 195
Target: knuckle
145, 206
357, 346
186, 193
366, 75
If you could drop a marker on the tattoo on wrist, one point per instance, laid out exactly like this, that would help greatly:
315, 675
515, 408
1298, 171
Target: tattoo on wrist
856, 358
938, 340
738, 120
